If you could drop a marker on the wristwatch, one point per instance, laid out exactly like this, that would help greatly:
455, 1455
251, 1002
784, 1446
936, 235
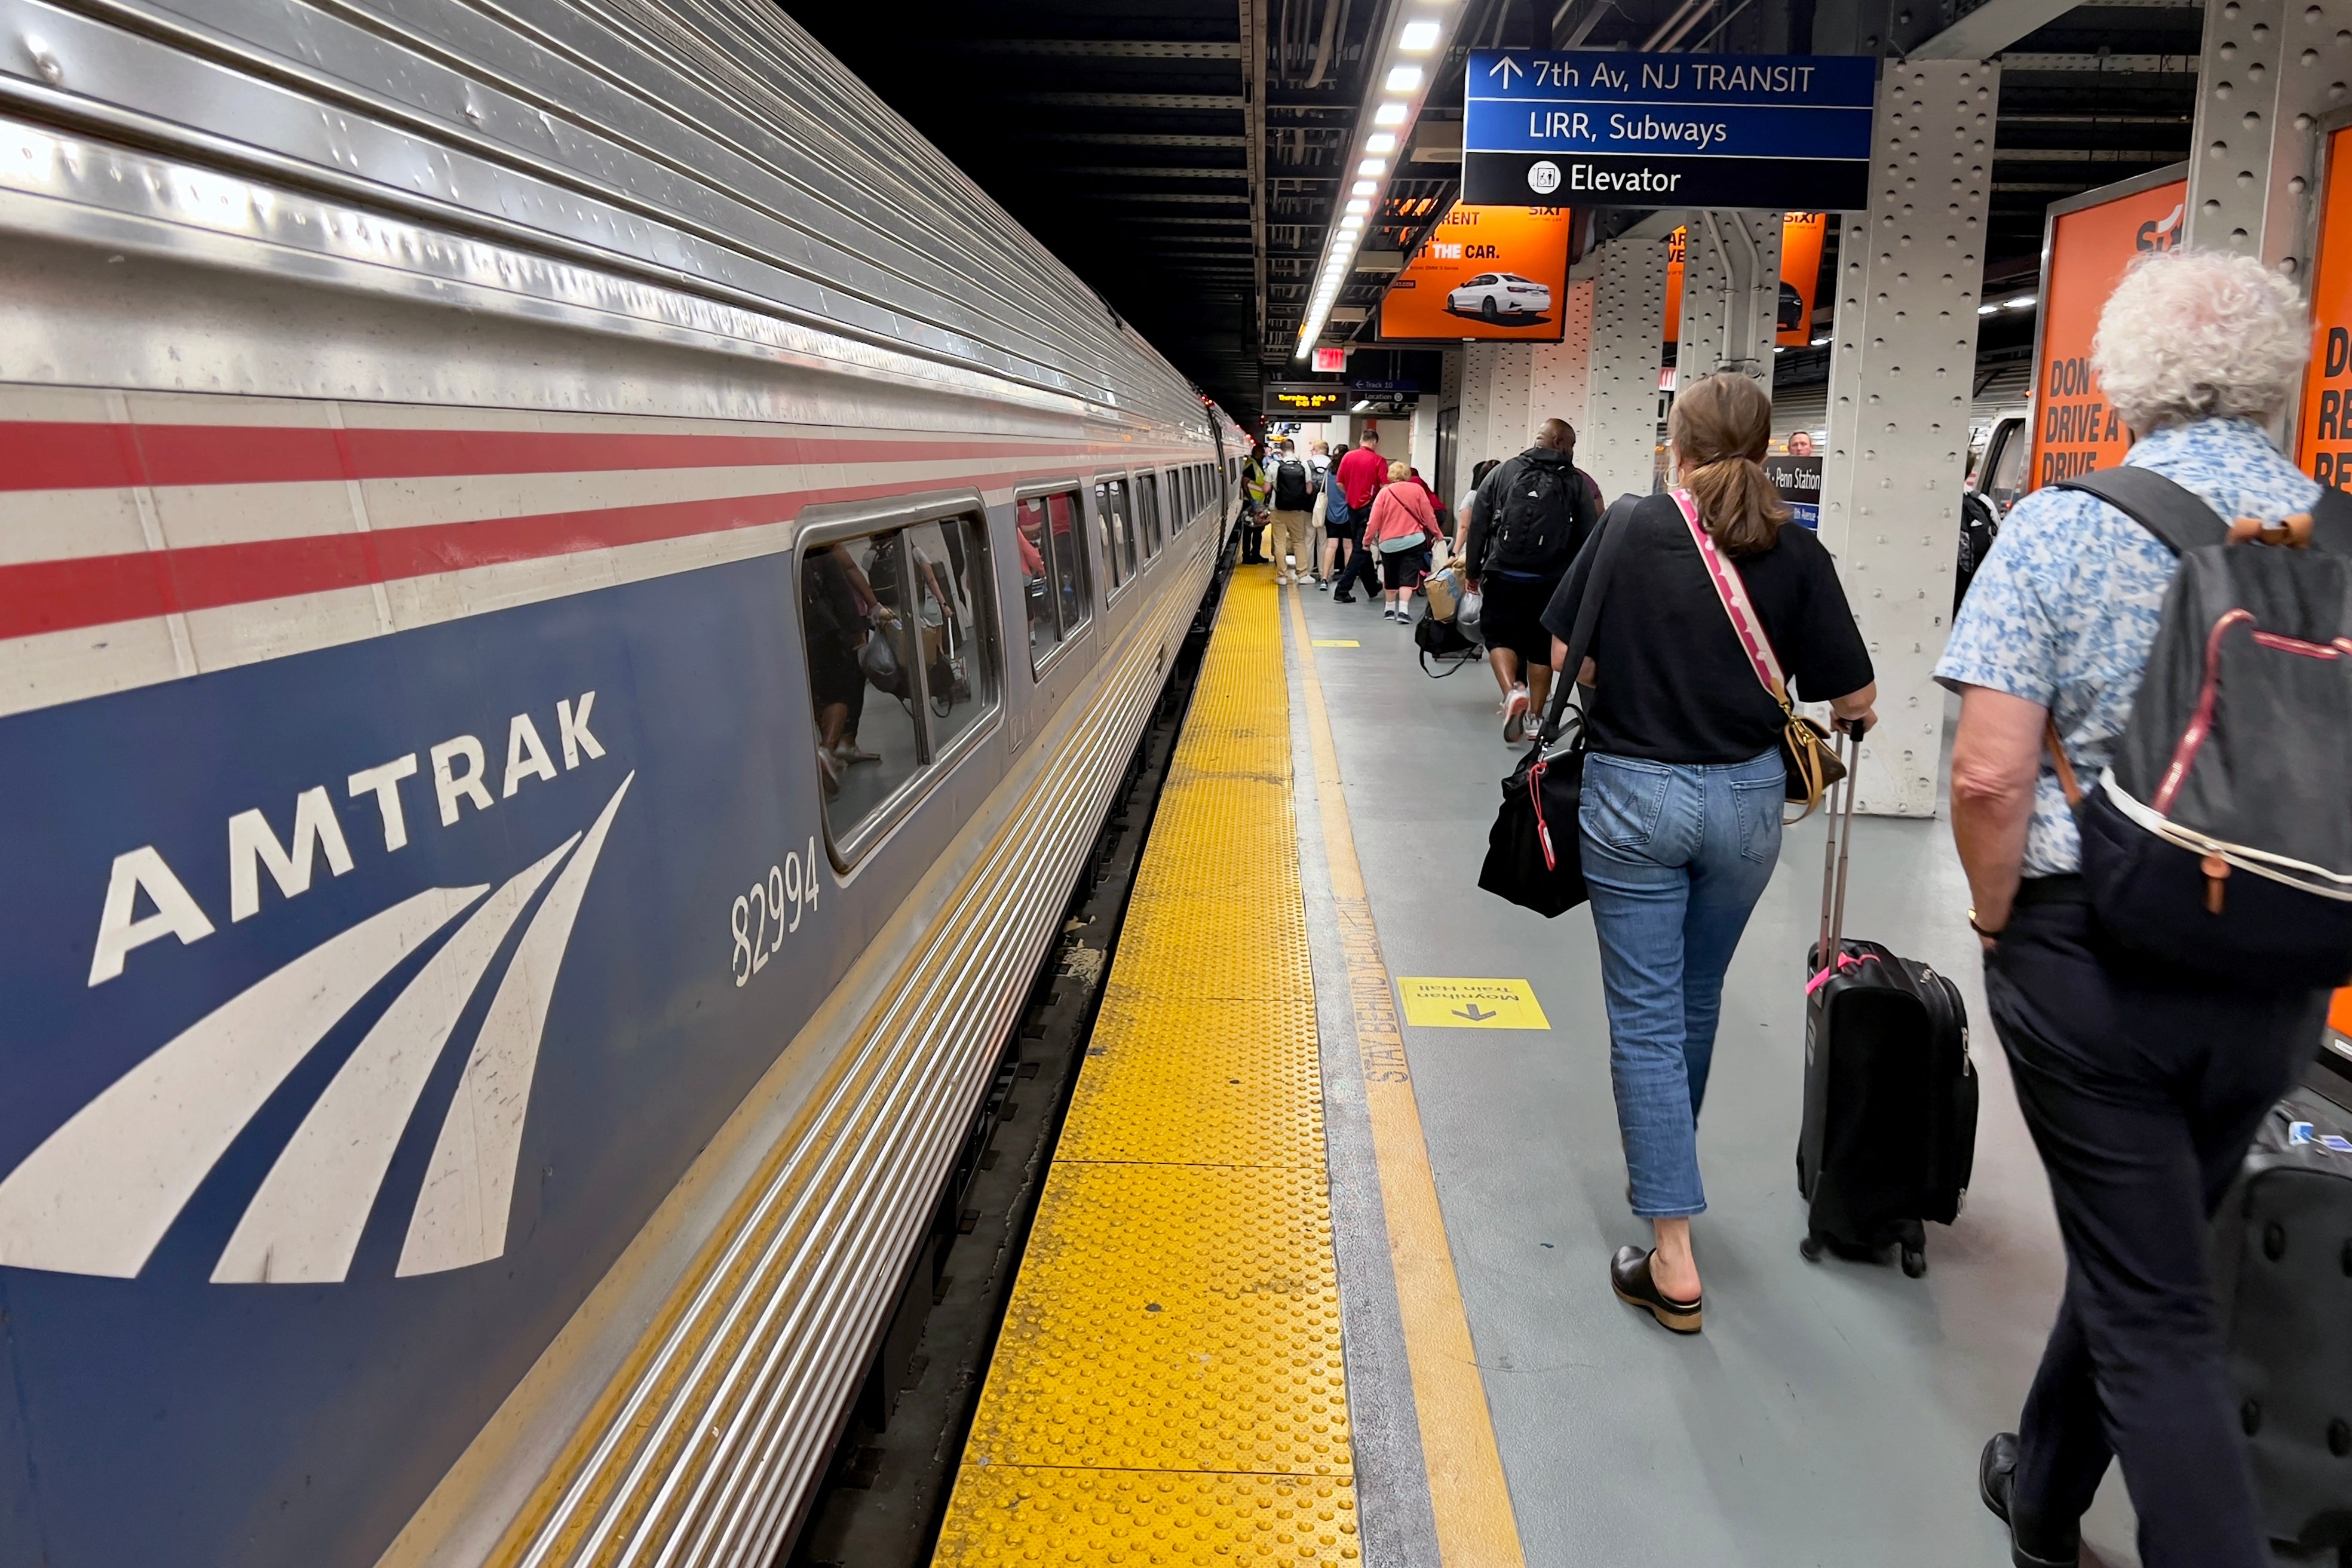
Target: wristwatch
1993, 935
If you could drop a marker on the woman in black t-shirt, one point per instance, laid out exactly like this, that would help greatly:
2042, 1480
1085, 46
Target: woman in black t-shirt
1683, 782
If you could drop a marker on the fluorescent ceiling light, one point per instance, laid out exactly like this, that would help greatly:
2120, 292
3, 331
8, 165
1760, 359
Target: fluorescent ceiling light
1373, 167
1820, 343
1360, 205
1352, 220
1364, 188
1987, 309
2022, 302
1305, 346
1404, 78
1388, 114
1379, 141
1418, 38
1361, 406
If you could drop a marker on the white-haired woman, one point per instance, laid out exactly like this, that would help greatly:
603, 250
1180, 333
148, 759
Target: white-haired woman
2142, 1087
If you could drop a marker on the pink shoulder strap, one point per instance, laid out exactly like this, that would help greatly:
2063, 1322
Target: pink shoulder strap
1731, 592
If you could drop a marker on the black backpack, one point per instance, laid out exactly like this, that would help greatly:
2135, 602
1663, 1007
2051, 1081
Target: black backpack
1978, 529
1542, 514
1444, 640
2220, 837
1292, 492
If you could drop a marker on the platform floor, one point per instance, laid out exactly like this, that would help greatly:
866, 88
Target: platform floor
1830, 1415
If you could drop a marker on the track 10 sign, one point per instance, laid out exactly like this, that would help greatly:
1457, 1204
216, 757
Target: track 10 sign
1609, 129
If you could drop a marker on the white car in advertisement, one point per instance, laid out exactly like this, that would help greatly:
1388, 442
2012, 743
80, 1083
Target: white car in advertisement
1494, 296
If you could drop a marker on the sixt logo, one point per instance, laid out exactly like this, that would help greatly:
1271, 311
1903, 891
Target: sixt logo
98, 1195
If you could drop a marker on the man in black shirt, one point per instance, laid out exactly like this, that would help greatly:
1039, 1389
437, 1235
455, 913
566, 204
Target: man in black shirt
1527, 523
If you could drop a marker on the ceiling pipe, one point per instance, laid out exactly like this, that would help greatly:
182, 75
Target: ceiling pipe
1677, 25
1332, 10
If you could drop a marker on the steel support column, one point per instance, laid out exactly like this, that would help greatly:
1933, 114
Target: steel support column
1731, 296
1619, 433
1507, 401
1477, 401
2270, 69
1909, 273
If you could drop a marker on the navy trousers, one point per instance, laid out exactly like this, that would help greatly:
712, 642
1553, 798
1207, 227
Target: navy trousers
2142, 1088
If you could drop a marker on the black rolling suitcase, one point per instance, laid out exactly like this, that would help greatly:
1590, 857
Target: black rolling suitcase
2282, 1266
1890, 1116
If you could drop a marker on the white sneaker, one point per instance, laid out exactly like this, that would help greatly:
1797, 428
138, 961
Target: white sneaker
1515, 716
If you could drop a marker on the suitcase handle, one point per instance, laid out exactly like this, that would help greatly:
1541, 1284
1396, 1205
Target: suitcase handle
1836, 849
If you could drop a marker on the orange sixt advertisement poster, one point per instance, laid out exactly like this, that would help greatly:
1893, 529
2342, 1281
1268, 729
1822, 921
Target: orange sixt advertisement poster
1484, 272
2074, 428
2323, 444
1801, 278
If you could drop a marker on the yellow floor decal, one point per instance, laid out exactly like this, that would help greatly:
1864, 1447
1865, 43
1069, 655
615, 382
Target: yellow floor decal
1432, 1002
1169, 1387
1338, 642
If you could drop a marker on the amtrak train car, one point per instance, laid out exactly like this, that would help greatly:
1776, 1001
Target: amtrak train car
573, 598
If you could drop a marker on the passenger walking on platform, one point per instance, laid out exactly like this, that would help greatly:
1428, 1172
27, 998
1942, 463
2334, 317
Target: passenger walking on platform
1403, 524
1293, 506
1528, 521
1343, 528
1683, 786
1362, 473
1255, 488
2142, 1085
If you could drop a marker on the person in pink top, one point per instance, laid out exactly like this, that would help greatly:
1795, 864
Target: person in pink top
1362, 473
1403, 523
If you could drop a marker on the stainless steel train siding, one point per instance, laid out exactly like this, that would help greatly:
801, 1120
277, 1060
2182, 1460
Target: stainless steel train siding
410, 421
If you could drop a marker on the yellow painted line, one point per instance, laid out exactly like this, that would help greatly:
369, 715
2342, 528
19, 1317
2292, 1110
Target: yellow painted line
1443, 1002
1468, 1494
1170, 1386
1336, 642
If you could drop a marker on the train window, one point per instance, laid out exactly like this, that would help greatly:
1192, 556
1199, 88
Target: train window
902, 661
1117, 515
1147, 508
1186, 504
1053, 570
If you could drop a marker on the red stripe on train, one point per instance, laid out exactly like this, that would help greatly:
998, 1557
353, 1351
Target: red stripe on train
94, 590
56, 456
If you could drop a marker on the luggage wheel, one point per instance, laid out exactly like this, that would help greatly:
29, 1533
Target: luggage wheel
1915, 1261
1811, 1248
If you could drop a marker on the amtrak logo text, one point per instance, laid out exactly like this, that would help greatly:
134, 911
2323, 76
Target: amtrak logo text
100, 1192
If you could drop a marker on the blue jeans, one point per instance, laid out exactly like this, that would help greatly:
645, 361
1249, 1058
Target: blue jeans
1676, 854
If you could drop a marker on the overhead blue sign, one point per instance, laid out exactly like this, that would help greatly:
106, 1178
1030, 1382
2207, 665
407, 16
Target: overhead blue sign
1590, 128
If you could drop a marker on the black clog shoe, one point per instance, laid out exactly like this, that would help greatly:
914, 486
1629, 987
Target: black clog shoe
1629, 1275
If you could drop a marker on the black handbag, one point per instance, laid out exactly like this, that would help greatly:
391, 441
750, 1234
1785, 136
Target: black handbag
1534, 855
1535, 851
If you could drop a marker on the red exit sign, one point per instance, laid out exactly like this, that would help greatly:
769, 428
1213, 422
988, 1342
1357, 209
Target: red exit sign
1330, 359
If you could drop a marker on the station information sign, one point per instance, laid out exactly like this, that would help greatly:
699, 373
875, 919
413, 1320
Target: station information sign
1608, 127
1305, 397
2323, 422
2089, 241
1484, 272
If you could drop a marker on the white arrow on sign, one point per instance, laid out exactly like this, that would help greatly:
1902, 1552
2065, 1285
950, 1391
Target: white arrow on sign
1507, 68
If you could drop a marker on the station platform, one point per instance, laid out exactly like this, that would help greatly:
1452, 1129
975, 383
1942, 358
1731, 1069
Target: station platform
1318, 1273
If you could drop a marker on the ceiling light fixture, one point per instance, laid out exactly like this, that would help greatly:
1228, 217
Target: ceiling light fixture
1379, 141
1358, 207
1820, 343
2022, 302
1373, 167
1987, 309
1364, 188
1388, 114
1418, 38
1404, 78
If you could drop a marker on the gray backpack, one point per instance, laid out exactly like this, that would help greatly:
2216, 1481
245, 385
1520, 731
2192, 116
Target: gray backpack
2220, 837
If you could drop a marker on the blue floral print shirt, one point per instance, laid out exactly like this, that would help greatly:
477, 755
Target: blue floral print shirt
2064, 610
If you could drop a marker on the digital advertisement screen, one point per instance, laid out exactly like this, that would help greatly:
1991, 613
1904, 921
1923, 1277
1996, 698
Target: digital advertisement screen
2324, 427
1484, 272
2075, 429
1801, 278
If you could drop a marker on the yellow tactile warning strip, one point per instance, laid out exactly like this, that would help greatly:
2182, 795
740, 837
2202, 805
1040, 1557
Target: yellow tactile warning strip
1169, 1387
1469, 1500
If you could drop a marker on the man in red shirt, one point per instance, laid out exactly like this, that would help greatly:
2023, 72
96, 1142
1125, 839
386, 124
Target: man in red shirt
1362, 473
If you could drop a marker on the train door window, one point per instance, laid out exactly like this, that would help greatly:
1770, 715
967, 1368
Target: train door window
1117, 515
958, 677
1147, 508
869, 743
902, 661
1054, 579
1185, 505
